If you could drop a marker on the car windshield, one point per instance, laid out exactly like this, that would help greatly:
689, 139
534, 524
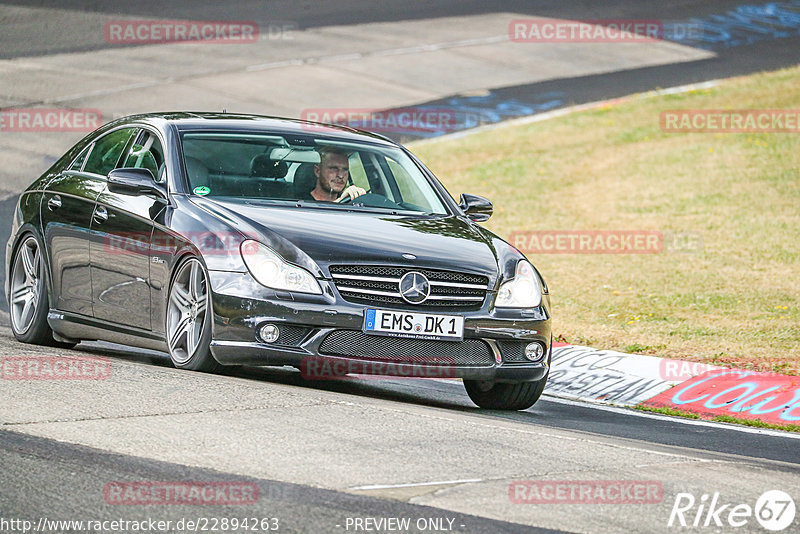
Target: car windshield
301, 169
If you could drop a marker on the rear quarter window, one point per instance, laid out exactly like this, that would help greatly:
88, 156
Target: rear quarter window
77, 165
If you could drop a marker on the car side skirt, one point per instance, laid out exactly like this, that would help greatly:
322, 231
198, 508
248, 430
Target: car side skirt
79, 327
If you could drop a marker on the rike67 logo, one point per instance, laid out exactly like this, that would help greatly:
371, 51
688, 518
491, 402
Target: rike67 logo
774, 510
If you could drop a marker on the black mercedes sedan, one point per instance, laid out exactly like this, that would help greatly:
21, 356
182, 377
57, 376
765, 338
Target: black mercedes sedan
237, 239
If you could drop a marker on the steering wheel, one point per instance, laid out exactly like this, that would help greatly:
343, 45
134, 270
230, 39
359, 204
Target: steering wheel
349, 199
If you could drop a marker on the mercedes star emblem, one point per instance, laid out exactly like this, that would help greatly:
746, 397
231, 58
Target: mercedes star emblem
414, 287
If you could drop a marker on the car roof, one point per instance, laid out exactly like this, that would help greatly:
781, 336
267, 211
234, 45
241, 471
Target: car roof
194, 121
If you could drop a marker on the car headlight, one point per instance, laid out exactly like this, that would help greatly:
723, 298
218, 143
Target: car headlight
522, 291
270, 270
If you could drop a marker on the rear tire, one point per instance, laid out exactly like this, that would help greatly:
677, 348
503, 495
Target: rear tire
505, 396
28, 299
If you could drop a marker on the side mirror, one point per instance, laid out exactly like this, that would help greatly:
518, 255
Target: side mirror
130, 181
476, 208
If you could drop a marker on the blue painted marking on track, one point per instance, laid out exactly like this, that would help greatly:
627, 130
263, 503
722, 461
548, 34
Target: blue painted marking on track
744, 25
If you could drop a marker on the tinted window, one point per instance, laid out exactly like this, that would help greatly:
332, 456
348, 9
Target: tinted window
106, 152
278, 168
78, 163
146, 153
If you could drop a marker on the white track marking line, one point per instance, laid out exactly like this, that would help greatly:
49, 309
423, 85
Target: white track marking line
676, 419
417, 484
649, 415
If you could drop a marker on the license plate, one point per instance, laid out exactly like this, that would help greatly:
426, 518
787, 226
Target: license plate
414, 325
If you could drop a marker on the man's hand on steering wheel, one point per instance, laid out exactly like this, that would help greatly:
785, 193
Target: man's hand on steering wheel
350, 193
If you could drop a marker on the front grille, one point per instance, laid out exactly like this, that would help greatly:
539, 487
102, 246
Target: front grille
356, 344
370, 284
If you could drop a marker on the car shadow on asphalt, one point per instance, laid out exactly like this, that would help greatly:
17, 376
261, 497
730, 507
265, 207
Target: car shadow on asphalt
447, 394
439, 393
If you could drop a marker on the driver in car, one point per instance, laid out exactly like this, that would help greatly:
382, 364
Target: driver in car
333, 172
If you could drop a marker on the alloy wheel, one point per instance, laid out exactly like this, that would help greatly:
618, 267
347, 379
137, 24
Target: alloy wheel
25, 285
186, 314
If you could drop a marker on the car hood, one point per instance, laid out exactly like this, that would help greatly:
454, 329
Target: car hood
337, 236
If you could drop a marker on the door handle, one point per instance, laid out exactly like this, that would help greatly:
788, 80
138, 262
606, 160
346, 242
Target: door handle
100, 215
54, 203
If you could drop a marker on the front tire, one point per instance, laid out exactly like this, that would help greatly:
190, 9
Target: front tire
28, 301
188, 328
505, 396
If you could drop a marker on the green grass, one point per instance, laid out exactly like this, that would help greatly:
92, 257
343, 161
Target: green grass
639, 348
725, 289
758, 423
667, 411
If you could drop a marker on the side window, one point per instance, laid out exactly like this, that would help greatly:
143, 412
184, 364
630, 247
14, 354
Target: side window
146, 153
107, 150
77, 165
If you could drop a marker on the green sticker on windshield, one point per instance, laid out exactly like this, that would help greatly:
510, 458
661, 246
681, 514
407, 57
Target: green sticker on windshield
202, 190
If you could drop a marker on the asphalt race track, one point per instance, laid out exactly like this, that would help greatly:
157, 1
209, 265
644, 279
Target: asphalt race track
312, 447
71, 474
329, 456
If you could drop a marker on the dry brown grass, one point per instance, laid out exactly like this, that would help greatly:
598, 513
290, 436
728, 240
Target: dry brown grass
735, 302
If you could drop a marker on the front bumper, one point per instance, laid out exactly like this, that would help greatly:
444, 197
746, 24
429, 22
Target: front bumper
241, 307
